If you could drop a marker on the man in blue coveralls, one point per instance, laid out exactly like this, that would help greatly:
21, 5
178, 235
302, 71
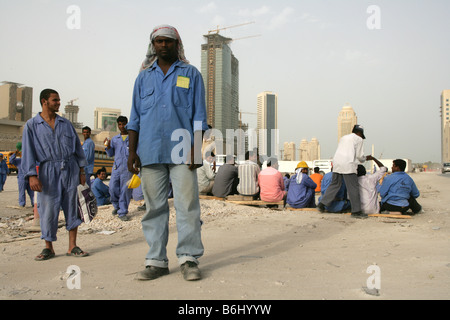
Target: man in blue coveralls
51, 141
89, 153
117, 147
101, 190
168, 114
23, 184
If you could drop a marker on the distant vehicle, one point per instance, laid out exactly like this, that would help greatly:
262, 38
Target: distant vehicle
6, 156
446, 167
101, 159
324, 165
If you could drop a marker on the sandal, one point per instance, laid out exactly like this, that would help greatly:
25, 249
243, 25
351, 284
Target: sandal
45, 255
77, 252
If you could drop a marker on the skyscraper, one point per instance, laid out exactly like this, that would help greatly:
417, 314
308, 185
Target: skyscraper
445, 126
346, 120
289, 152
220, 71
267, 123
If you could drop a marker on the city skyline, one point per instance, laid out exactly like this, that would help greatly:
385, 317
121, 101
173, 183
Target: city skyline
388, 60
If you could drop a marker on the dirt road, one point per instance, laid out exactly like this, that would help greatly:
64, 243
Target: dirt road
250, 254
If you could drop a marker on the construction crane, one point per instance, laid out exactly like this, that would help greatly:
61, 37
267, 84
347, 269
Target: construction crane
70, 103
254, 36
229, 27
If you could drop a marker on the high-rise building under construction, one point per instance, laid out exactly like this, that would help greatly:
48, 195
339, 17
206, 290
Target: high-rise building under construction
220, 71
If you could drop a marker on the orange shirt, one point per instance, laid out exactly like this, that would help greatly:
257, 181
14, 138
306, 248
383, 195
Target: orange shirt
317, 178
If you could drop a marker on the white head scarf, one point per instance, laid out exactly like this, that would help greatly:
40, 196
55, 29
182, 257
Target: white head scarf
163, 31
299, 177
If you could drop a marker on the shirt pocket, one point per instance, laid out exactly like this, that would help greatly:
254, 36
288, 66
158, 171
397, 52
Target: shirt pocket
147, 98
67, 145
182, 98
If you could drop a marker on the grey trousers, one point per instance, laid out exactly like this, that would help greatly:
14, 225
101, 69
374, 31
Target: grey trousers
352, 185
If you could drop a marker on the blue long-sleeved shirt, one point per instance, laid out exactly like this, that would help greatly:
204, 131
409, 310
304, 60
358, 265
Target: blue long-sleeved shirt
101, 192
3, 167
300, 195
340, 202
397, 188
119, 150
166, 111
59, 147
89, 152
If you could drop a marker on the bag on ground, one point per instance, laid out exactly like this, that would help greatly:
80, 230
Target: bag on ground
87, 203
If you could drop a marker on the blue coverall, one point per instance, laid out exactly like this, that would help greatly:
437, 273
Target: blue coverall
120, 194
21, 182
60, 156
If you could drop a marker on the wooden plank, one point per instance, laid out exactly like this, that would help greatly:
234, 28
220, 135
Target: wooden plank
280, 204
388, 215
238, 197
254, 202
397, 216
301, 209
385, 215
205, 197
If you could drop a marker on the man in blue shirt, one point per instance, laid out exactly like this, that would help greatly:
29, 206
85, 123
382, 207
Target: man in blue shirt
302, 189
340, 203
168, 115
4, 171
89, 152
117, 147
22, 184
52, 141
101, 190
398, 191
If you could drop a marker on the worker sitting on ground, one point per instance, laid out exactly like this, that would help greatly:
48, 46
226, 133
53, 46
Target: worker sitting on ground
340, 203
301, 191
317, 178
271, 182
101, 190
398, 191
206, 175
368, 193
226, 180
248, 175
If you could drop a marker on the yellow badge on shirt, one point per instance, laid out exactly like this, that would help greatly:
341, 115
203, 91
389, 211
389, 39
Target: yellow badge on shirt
183, 82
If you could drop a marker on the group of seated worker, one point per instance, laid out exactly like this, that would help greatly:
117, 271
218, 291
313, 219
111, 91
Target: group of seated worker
379, 191
397, 191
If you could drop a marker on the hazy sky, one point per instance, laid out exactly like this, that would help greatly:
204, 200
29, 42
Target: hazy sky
389, 62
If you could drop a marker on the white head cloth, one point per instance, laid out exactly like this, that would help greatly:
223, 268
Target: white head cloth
163, 31
299, 177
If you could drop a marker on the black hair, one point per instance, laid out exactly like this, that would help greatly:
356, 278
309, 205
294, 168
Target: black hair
45, 94
361, 171
122, 119
401, 164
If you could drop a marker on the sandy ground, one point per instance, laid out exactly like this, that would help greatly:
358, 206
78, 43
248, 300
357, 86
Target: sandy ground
250, 254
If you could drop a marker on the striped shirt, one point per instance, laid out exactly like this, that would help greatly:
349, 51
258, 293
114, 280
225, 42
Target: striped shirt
248, 178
